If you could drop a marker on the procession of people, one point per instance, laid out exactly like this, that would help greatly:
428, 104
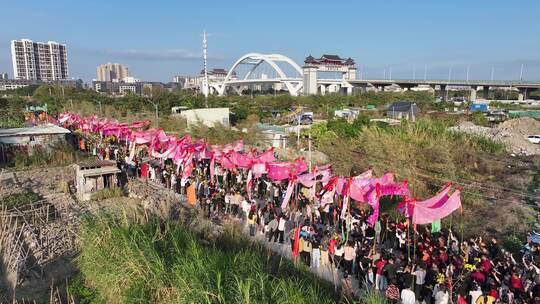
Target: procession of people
334, 222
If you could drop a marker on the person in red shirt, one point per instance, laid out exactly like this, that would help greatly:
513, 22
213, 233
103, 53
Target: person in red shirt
144, 171
379, 264
478, 276
485, 263
516, 285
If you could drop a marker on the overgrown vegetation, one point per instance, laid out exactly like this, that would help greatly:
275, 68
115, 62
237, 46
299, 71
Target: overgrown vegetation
19, 199
429, 155
127, 261
107, 193
59, 154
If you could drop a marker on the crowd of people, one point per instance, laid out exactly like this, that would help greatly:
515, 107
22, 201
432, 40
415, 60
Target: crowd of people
405, 264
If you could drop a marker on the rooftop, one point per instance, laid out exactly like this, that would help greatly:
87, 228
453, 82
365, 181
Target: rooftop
48, 129
93, 164
334, 59
403, 106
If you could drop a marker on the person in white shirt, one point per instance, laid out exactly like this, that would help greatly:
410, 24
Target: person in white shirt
173, 182
227, 201
246, 207
442, 297
475, 293
281, 228
407, 296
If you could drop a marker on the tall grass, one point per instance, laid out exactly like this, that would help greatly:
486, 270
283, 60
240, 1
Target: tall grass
107, 193
161, 262
429, 155
59, 154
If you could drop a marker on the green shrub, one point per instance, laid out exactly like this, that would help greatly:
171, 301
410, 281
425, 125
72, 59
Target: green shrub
512, 243
84, 295
19, 199
479, 119
371, 296
342, 128
361, 121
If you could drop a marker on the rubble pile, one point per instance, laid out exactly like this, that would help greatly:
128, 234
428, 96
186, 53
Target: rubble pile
512, 133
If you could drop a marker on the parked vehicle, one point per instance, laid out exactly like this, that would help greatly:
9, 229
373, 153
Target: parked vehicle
305, 118
535, 139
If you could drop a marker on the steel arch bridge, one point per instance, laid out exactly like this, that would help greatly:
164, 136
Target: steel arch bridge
293, 83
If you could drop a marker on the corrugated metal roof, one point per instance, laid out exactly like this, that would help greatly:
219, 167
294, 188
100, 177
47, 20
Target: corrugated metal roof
48, 129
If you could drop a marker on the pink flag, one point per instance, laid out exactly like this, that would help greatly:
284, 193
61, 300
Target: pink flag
240, 160
287, 198
226, 163
373, 200
300, 166
407, 206
212, 164
429, 214
265, 157
187, 167
278, 171
249, 184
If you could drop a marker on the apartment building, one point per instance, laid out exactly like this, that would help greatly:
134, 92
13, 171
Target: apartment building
44, 61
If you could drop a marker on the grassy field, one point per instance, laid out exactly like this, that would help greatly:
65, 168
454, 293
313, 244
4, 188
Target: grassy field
148, 261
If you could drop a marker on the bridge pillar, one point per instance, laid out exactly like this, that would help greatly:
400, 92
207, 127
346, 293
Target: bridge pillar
485, 92
323, 89
442, 91
523, 94
238, 90
349, 90
351, 74
406, 87
473, 93
380, 88
310, 79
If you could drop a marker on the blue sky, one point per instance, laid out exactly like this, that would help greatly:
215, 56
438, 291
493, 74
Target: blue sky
158, 39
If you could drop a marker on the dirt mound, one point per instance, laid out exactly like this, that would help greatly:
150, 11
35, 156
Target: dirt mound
512, 133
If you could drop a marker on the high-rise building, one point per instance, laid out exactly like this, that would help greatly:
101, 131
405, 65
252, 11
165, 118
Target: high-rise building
112, 72
39, 60
3, 76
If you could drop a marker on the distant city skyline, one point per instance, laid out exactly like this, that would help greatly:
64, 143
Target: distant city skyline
486, 38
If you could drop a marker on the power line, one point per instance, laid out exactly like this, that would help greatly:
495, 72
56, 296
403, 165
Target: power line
461, 183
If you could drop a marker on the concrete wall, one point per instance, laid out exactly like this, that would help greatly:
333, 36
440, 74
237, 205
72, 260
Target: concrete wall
44, 140
208, 117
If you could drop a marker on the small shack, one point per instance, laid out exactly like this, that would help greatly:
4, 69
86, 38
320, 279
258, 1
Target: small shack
403, 110
37, 135
24, 140
92, 176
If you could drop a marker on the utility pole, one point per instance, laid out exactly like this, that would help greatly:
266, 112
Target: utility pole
468, 68
309, 151
425, 72
205, 58
156, 107
521, 73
